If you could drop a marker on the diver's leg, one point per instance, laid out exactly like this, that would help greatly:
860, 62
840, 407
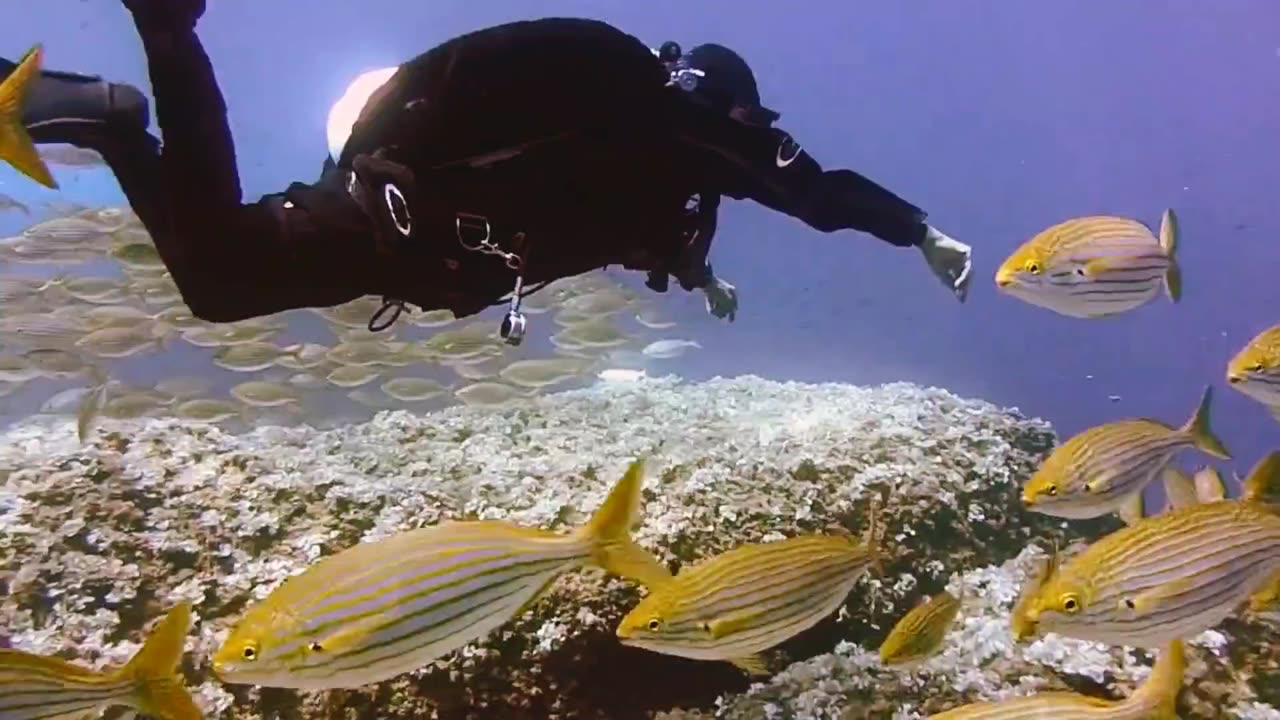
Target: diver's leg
307, 247
199, 158
109, 118
59, 103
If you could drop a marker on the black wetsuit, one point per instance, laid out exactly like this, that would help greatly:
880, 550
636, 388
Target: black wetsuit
559, 135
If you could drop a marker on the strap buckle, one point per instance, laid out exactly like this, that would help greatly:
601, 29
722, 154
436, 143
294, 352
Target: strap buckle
468, 226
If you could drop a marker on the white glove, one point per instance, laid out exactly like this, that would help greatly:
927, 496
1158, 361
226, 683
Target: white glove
722, 298
949, 259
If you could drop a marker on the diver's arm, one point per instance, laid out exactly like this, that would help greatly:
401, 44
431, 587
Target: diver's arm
305, 247
764, 164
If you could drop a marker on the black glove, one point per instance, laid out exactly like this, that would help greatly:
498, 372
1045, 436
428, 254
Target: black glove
177, 14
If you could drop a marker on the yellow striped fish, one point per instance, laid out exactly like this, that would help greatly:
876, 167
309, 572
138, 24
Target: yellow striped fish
1093, 267
1155, 700
919, 634
379, 609
1164, 578
1104, 469
734, 605
1255, 370
1263, 486
34, 687
15, 144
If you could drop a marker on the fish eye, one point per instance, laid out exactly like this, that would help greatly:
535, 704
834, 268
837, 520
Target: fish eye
1052, 490
315, 647
1257, 367
1032, 267
249, 652
655, 625
1070, 604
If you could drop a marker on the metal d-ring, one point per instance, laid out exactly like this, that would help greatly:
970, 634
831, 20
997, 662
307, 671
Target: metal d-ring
390, 194
475, 221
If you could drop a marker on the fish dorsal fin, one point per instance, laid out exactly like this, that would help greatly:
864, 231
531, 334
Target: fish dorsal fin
1263, 481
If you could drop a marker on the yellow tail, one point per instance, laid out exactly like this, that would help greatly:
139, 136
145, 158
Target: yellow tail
15, 144
1159, 694
1169, 241
1263, 483
1200, 431
609, 531
158, 690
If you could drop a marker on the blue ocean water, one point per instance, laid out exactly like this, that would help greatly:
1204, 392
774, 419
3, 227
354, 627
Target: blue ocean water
999, 119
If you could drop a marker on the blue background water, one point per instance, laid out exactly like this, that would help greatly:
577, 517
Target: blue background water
999, 117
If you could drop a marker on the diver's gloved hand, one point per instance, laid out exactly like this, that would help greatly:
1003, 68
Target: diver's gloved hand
722, 298
166, 13
949, 259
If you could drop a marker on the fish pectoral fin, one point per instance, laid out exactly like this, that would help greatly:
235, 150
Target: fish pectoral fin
1100, 266
1150, 600
751, 664
1133, 509
1099, 484
727, 626
347, 637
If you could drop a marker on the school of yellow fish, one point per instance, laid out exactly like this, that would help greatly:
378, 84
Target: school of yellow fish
383, 608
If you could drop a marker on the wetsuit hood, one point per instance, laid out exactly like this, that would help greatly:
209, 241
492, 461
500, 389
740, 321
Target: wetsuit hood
728, 82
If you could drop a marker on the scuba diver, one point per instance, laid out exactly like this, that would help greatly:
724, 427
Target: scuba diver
470, 176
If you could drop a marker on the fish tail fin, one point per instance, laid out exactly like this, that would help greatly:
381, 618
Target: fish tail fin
158, 689
609, 533
16, 146
1263, 482
1202, 433
1159, 694
1169, 241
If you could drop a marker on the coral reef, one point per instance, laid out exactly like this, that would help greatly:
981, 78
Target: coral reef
96, 541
